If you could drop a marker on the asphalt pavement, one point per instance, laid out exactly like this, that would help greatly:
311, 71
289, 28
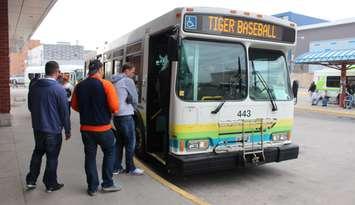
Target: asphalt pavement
324, 173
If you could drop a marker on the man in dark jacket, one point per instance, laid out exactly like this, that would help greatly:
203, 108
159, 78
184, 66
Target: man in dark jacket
95, 99
312, 88
47, 102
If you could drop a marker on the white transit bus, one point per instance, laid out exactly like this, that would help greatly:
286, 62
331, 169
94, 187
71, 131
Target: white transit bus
214, 88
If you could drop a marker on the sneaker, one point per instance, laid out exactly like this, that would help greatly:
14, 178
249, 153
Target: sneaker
91, 193
119, 171
54, 188
137, 171
113, 188
29, 187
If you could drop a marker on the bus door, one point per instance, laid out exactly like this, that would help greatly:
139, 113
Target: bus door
158, 95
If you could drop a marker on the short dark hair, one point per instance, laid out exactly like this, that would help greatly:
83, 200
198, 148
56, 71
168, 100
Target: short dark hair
94, 66
127, 66
51, 67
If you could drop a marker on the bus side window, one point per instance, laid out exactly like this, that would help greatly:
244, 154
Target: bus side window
136, 61
333, 81
117, 64
108, 70
104, 69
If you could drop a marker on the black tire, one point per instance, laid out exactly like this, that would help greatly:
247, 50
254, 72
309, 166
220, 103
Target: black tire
140, 137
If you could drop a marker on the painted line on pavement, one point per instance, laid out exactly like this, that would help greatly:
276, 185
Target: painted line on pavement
328, 112
194, 199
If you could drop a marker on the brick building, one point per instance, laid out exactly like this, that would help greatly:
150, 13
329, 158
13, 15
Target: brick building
18, 21
4, 65
18, 59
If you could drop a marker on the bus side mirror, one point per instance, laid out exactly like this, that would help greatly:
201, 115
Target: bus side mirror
173, 45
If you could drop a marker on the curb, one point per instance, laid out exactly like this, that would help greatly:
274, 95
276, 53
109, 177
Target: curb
327, 112
193, 198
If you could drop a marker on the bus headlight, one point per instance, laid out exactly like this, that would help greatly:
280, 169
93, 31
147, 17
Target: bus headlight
197, 145
280, 136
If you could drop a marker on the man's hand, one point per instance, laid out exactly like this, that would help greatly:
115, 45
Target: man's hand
67, 136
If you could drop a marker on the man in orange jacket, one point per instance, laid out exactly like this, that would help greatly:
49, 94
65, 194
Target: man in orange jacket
96, 99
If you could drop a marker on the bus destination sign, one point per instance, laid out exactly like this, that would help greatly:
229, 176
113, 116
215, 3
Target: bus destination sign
238, 27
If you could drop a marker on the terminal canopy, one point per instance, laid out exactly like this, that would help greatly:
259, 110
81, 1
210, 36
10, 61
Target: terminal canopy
330, 58
342, 59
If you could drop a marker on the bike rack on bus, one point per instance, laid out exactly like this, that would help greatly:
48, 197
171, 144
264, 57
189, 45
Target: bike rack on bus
256, 155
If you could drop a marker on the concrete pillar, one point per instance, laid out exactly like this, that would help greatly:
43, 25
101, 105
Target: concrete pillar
4, 66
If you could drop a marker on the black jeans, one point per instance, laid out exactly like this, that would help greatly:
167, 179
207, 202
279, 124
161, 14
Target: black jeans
106, 140
50, 145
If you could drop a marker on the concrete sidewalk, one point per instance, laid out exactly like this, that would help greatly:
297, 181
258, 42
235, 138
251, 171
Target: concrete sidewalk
304, 104
10, 182
16, 145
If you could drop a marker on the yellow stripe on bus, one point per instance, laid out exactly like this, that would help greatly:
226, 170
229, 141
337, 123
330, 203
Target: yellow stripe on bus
210, 127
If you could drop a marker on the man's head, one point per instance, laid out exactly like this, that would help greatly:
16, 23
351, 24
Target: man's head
95, 66
52, 69
60, 79
129, 70
65, 78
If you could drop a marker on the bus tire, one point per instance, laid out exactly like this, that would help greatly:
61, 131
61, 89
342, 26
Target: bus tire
140, 136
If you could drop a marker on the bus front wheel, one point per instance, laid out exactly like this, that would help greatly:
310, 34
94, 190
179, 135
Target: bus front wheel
140, 138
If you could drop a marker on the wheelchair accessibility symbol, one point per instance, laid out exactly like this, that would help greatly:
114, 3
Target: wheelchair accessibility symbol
190, 22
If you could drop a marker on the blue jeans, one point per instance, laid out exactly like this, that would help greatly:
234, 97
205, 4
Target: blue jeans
106, 140
126, 139
349, 101
50, 145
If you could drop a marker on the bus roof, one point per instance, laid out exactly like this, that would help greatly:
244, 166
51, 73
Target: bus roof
174, 17
332, 72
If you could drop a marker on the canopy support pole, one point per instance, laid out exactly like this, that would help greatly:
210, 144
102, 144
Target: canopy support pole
342, 84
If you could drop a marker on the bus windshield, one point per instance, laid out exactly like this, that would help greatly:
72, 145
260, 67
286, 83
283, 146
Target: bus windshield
270, 65
211, 71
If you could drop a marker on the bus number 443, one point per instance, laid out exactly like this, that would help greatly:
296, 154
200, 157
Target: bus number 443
244, 113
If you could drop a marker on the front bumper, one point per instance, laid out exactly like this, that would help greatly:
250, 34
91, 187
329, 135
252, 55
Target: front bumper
209, 162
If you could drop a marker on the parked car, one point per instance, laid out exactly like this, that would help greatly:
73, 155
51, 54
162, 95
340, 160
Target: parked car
16, 80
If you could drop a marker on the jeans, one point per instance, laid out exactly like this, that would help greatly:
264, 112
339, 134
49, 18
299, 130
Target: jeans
50, 145
325, 101
106, 140
127, 139
349, 101
69, 108
316, 100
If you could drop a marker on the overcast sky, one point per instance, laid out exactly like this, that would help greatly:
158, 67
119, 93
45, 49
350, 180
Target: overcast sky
92, 22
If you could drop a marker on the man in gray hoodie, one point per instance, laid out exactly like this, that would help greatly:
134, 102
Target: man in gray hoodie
123, 120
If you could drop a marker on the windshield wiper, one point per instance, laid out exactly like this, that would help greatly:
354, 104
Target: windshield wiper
240, 75
218, 108
268, 90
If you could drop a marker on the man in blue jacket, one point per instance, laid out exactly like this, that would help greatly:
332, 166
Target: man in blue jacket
48, 104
